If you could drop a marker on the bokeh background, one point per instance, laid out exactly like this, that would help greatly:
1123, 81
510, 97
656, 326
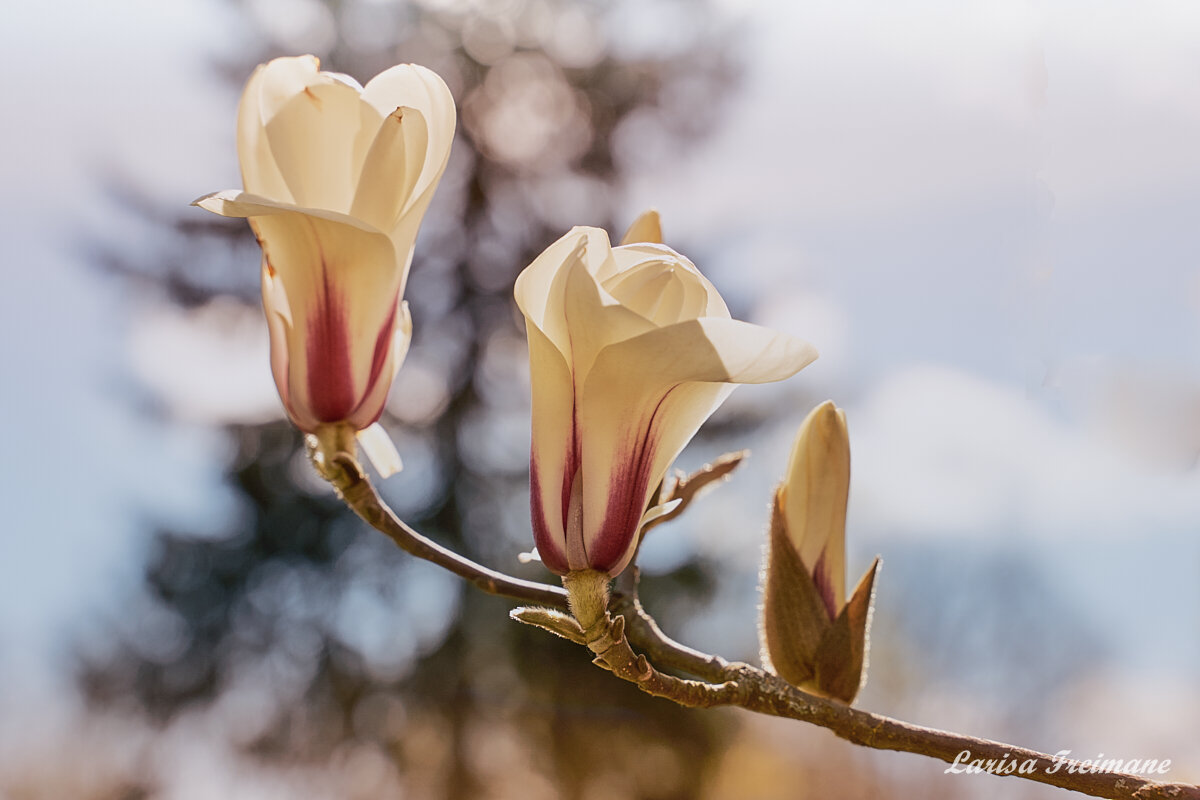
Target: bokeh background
984, 216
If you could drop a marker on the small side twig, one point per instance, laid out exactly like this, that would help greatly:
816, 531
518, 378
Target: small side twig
686, 488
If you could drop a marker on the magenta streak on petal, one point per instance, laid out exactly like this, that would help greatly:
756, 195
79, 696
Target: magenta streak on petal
550, 547
383, 344
824, 586
572, 467
331, 392
627, 498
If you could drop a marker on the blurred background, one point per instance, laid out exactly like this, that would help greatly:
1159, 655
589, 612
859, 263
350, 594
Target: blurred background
985, 218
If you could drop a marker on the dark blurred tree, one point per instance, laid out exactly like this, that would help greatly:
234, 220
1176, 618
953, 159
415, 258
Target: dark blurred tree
310, 637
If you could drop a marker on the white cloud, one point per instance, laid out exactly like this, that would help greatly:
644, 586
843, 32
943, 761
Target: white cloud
940, 452
853, 111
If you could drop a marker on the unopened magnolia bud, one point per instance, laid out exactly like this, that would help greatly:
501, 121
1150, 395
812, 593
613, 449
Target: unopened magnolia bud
811, 636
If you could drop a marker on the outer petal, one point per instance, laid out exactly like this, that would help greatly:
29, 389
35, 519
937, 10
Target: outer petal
814, 499
260, 174
232, 203
644, 399
541, 287
553, 459
707, 349
795, 617
391, 346
842, 657
279, 323
341, 285
626, 452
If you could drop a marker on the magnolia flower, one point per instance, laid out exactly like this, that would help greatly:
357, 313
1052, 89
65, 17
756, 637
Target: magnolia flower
337, 178
630, 350
812, 637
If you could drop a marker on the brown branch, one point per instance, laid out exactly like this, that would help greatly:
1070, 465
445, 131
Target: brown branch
606, 638
726, 683
355, 489
644, 632
765, 693
748, 687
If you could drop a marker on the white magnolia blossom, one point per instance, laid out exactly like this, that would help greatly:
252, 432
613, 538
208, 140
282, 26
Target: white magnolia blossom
337, 178
630, 350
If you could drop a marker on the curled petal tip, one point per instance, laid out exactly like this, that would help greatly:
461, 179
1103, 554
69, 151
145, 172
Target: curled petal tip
646, 229
214, 201
659, 511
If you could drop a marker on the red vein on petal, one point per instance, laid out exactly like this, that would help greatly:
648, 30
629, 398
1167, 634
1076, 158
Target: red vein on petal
627, 496
549, 546
383, 346
825, 586
330, 380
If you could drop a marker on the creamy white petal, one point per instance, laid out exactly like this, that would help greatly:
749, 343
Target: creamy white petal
645, 397
279, 323
594, 317
341, 285
232, 203
404, 329
281, 80
709, 349
633, 428
660, 290
646, 228
285, 79
375, 396
390, 169
421, 89
312, 138
380, 450
260, 174
659, 511
815, 494
540, 287
553, 456
629, 257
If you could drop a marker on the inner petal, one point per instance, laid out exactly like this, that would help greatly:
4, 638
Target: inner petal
652, 289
